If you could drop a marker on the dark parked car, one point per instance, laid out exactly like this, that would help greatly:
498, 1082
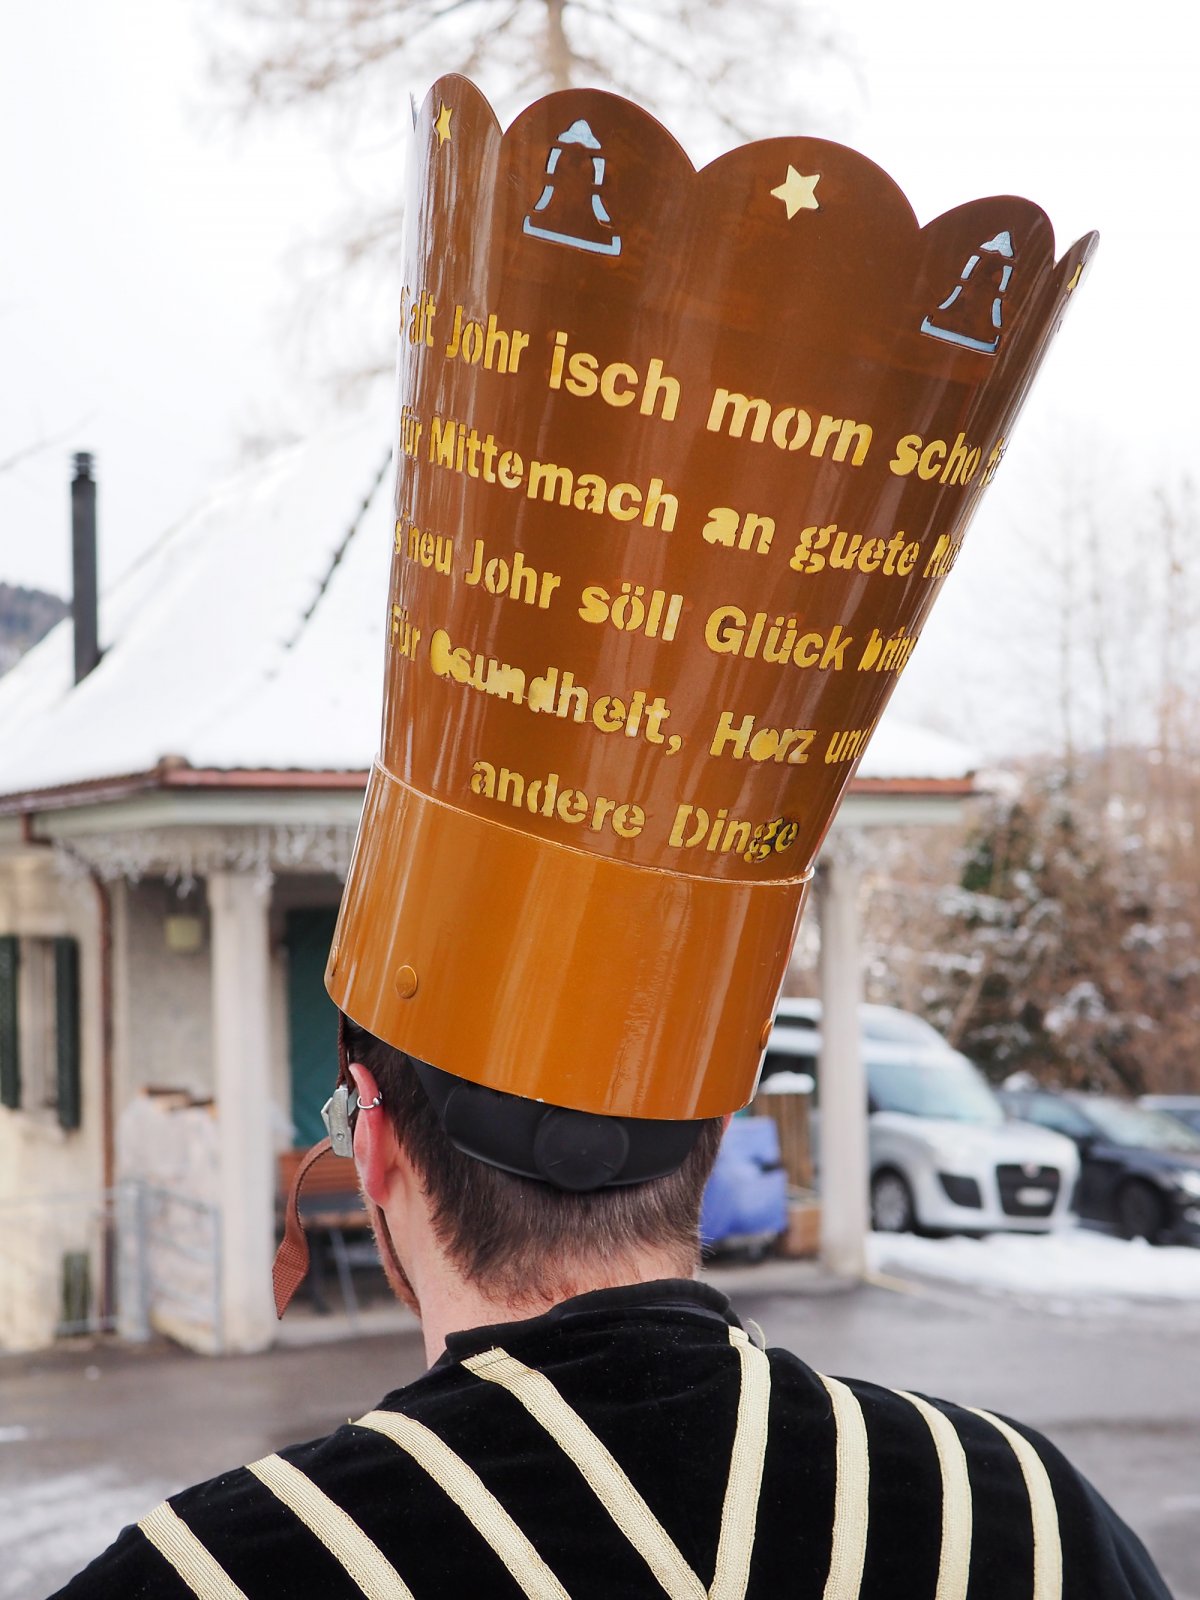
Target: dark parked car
1184, 1106
1139, 1168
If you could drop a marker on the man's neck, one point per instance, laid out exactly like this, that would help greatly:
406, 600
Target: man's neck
450, 1303
432, 1282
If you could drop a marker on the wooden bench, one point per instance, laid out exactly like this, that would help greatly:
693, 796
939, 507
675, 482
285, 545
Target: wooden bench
331, 1209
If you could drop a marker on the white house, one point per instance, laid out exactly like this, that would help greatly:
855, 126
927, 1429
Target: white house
174, 829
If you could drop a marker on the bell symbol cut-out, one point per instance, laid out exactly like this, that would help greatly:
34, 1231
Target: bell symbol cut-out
971, 315
570, 209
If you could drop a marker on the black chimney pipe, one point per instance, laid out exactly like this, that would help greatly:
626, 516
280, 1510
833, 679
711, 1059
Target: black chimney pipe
84, 602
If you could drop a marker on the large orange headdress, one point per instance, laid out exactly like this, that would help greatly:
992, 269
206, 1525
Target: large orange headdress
683, 459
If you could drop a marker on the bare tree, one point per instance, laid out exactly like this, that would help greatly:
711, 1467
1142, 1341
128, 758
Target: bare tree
747, 67
1058, 933
715, 71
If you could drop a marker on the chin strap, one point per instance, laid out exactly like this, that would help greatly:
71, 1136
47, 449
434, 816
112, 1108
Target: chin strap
292, 1256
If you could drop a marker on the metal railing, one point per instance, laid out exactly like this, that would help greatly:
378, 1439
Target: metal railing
127, 1260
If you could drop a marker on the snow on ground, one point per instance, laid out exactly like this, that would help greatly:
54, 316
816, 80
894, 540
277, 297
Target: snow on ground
1066, 1267
53, 1525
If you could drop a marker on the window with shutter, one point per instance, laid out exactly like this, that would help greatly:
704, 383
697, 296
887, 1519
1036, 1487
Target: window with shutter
66, 1031
10, 1059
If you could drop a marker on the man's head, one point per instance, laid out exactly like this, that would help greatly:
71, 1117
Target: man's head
512, 1238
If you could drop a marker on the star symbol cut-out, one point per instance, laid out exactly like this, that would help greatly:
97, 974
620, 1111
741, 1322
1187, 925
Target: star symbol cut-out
442, 125
798, 193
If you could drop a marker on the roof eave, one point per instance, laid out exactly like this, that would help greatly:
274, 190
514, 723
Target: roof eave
176, 775
949, 787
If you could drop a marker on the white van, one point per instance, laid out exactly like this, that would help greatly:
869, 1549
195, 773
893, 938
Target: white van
943, 1157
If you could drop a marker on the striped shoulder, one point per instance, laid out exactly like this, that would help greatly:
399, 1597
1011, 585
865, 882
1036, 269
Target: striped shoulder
132, 1568
1098, 1556
382, 1508
340, 1518
961, 1503
163, 1557
270, 1527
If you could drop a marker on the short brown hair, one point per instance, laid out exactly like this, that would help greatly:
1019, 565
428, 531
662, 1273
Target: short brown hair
524, 1239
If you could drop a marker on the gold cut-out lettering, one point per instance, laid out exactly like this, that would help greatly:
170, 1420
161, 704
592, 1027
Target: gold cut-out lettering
547, 797
694, 828
631, 610
618, 384
833, 547
935, 460
730, 632
420, 314
405, 637
887, 652
512, 580
847, 744
737, 532
499, 349
428, 549
941, 558
555, 693
790, 427
410, 431
460, 448
743, 739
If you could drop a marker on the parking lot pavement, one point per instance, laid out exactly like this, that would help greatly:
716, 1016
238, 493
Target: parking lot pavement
92, 1436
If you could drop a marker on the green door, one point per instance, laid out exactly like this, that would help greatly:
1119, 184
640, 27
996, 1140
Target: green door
312, 1020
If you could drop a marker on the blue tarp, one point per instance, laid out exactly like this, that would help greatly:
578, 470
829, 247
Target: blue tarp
747, 1192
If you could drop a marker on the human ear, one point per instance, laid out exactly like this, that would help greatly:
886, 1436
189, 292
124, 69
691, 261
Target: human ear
375, 1146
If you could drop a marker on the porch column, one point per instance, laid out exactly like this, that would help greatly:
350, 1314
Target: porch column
239, 904
843, 1089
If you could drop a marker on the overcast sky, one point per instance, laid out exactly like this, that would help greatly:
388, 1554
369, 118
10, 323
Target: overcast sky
151, 252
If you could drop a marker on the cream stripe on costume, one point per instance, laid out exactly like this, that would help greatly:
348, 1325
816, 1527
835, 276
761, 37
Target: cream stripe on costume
740, 1512
176, 1543
472, 1496
849, 1551
338, 1532
954, 1563
1047, 1546
603, 1475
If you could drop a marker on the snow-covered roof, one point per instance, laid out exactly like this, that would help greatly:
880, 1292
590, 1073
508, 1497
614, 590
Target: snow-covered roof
902, 750
250, 638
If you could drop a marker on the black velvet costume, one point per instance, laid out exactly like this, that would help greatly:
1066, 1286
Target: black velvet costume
653, 1373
